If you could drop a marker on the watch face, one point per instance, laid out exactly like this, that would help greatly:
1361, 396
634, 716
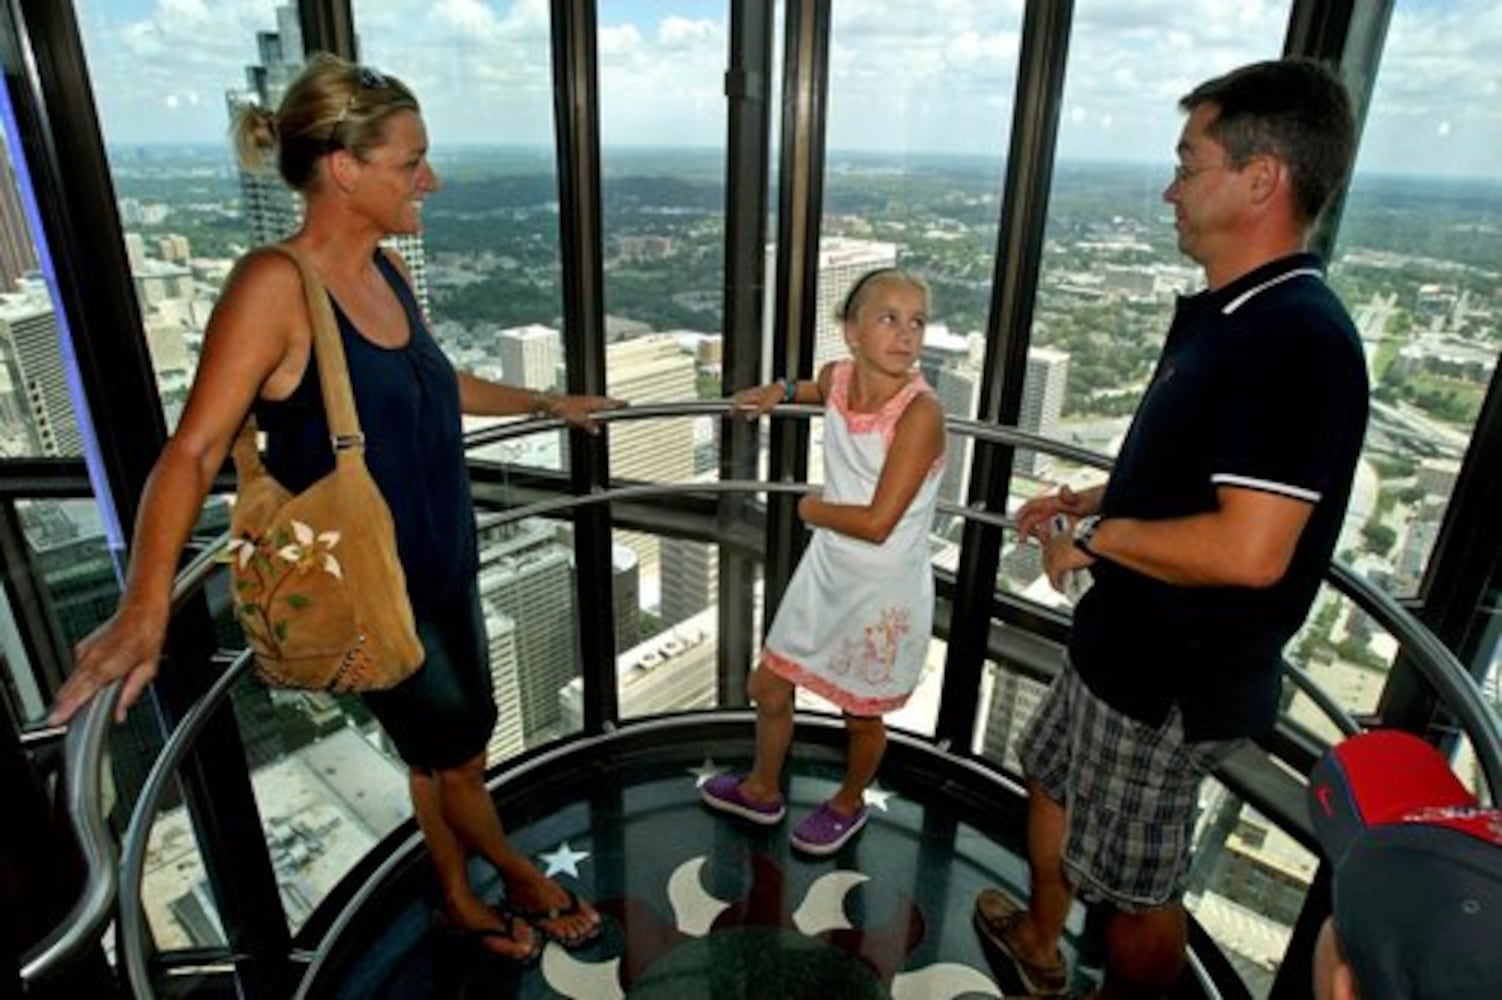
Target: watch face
1084, 531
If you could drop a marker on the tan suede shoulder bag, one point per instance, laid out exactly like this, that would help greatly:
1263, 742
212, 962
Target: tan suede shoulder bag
318, 587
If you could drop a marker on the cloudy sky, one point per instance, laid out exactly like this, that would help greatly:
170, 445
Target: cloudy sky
904, 77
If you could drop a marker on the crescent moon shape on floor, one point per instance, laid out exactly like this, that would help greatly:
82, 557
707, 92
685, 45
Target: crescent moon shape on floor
823, 906
578, 979
694, 909
942, 981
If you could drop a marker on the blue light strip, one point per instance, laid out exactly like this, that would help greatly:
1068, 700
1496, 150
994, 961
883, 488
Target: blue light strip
93, 458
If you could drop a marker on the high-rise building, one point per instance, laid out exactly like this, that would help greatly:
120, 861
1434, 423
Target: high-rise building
942, 349
271, 209
842, 261
650, 369
690, 578
957, 387
1042, 401
31, 350
670, 672
625, 591
529, 355
527, 575
174, 248
508, 738
1014, 699
17, 251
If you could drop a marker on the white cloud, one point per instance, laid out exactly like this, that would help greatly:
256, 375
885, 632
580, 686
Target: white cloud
903, 77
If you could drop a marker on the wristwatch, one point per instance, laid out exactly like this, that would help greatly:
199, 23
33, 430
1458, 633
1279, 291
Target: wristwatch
1084, 534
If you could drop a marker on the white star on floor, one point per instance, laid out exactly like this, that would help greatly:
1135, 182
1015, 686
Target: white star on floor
705, 771
565, 859
876, 796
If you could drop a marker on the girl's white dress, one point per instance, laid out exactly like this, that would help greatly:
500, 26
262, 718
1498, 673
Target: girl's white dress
854, 624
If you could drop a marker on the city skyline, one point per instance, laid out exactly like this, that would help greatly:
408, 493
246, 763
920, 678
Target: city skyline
483, 72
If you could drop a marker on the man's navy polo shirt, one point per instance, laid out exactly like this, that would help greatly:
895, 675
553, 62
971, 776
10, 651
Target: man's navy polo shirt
1261, 385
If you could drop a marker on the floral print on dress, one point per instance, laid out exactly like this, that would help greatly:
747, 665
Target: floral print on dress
873, 654
266, 570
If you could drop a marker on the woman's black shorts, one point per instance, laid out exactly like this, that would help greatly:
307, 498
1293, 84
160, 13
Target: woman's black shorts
442, 715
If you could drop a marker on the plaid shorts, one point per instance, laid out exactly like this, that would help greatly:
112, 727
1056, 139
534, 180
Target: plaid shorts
1130, 792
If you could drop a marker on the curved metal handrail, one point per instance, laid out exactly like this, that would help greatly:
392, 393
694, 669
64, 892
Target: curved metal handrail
1475, 714
991, 433
83, 755
1439, 666
133, 929
83, 765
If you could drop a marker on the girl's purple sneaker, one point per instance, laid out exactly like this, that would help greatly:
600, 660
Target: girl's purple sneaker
723, 793
825, 831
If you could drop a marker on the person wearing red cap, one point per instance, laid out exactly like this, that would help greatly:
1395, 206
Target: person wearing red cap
1417, 875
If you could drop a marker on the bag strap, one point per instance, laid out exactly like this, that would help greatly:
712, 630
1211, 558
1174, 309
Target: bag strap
333, 375
328, 349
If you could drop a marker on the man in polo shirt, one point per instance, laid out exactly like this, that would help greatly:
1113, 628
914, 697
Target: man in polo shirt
1207, 543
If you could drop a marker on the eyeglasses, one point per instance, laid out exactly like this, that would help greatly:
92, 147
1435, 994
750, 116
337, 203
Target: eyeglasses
1182, 173
367, 79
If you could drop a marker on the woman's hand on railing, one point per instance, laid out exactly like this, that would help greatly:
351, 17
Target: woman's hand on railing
128, 645
577, 411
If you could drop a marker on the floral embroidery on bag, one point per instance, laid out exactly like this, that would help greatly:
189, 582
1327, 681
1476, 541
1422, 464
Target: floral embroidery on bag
874, 654
264, 566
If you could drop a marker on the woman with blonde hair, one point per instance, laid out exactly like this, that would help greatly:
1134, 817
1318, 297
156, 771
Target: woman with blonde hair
352, 143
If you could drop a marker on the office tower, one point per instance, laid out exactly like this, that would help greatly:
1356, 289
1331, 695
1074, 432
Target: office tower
1014, 698
625, 590
17, 252
527, 575
174, 248
272, 210
31, 349
650, 369
841, 262
1042, 402
507, 739
670, 672
942, 349
690, 578
135, 252
530, 355
957, 387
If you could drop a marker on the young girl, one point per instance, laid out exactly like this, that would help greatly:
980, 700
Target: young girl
854, 624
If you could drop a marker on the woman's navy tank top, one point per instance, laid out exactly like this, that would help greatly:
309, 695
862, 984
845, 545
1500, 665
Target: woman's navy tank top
408, 401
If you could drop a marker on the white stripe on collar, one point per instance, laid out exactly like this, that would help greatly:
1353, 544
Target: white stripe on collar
1252, 292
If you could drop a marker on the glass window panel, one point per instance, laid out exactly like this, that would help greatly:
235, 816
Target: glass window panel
1008, 699
68, 565
528, 594
489, 247
662, 124
1416, 262
1110, 268
327, 783
1347, 653
1247, 884
40, 396
187, 208
175, 892
918, 113
666, 623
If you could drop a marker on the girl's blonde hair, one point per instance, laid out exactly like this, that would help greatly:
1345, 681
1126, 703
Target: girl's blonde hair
850, 308
332, 104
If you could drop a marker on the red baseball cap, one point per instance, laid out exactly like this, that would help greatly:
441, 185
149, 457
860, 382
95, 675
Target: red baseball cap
1417, 869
